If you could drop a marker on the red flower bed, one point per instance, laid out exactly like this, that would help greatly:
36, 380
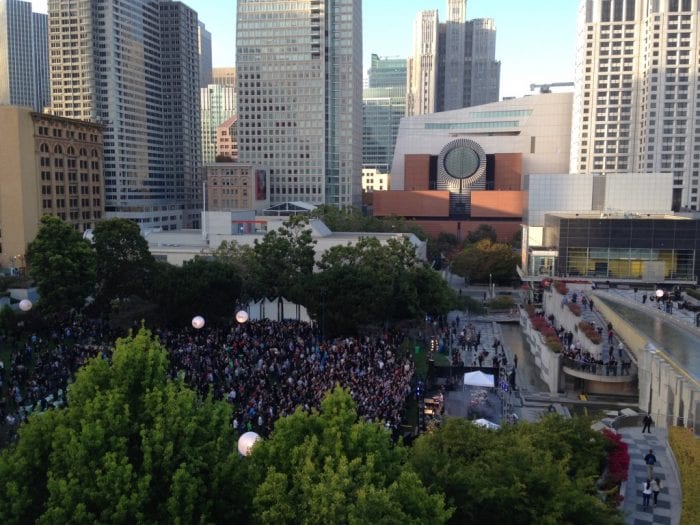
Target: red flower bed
589, 330
561, 287
575, 309
618, 458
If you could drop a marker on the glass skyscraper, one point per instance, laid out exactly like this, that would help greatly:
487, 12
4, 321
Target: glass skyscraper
133, 66
383, 105
299, 88
24, 71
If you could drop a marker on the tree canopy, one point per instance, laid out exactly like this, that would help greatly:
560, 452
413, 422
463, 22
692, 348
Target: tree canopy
528, 473
131, 446
63, 265
485, 258
371, 283
328, 467
285, 260
124, 265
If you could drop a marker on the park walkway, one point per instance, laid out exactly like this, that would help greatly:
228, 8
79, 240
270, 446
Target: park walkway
668, 510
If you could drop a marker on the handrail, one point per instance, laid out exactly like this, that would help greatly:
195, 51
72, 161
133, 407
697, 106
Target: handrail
619, 369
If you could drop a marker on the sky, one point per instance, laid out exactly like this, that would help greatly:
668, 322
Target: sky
535, 39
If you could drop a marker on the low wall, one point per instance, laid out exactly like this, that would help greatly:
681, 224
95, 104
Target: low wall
548, 362
665, 389
552, 303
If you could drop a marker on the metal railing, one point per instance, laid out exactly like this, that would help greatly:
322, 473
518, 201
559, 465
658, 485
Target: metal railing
619, 369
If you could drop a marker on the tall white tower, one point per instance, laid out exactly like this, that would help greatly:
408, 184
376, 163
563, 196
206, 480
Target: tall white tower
636, 101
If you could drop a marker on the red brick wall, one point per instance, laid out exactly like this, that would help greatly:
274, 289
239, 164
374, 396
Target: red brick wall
416, 172
411, 203
508, 170
497, 204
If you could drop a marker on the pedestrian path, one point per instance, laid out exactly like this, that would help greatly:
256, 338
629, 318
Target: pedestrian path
668, 510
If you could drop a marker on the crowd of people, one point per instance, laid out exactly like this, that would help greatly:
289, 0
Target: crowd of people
265, 369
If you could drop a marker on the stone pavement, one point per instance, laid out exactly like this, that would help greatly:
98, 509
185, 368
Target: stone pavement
668, 510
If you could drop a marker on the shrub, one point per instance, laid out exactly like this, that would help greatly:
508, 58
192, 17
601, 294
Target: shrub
554, 344
575, 309
502, 302
618, 458
686, 448
589, 330
561, 288
530, 309
695, 294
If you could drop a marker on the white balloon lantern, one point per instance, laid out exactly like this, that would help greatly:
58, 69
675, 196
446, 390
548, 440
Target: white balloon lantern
246, 442
198, 322
25, 305
659, 293
242, 316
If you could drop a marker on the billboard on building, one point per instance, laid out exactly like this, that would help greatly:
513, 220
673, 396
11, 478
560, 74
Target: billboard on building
260, 185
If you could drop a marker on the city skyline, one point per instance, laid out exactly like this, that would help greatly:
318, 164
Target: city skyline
527, 56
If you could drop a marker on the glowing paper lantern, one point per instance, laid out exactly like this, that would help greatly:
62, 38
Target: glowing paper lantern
25, 305
242, 316
659, 293
246, 442
198, 322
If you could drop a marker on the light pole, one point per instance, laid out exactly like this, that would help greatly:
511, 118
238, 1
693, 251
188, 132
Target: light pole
490, 293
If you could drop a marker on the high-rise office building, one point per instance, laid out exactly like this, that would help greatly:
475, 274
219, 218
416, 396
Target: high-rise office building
299, 88
24, 40
136, 71
218, 103
383, 105
204, 46
453, 64
636, 104
224, 76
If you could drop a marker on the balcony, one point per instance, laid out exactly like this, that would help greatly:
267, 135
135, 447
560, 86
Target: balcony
619, 373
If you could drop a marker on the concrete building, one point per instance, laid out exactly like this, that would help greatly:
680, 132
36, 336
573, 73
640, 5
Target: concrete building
50, 166
218, 105
617, 227
383, 106
244, 228
135, 70
24, 54
374, 180
453, 64
457, 169
299, 87
204, 47
234, 186
227, 140
224, 76
636, 107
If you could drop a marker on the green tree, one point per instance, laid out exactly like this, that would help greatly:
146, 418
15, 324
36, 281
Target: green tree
483, 259
243, 260
285, 260
132, 446
482, 232
442, 247
328, 467
210, 288
510, 476
124, 262
63, 265
371, 283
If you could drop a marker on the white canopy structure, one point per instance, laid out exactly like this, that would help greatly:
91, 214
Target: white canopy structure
486, 424
478, 378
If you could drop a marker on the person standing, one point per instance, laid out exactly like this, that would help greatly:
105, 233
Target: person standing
646, 493
650, 460
647, 423
655, 489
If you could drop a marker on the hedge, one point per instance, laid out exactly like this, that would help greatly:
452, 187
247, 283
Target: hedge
590, 331
686, 448
695, 294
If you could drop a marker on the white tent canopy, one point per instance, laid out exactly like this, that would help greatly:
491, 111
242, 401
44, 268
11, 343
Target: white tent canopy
485, 423
478, 378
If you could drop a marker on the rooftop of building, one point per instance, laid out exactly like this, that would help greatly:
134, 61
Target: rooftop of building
617, 215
